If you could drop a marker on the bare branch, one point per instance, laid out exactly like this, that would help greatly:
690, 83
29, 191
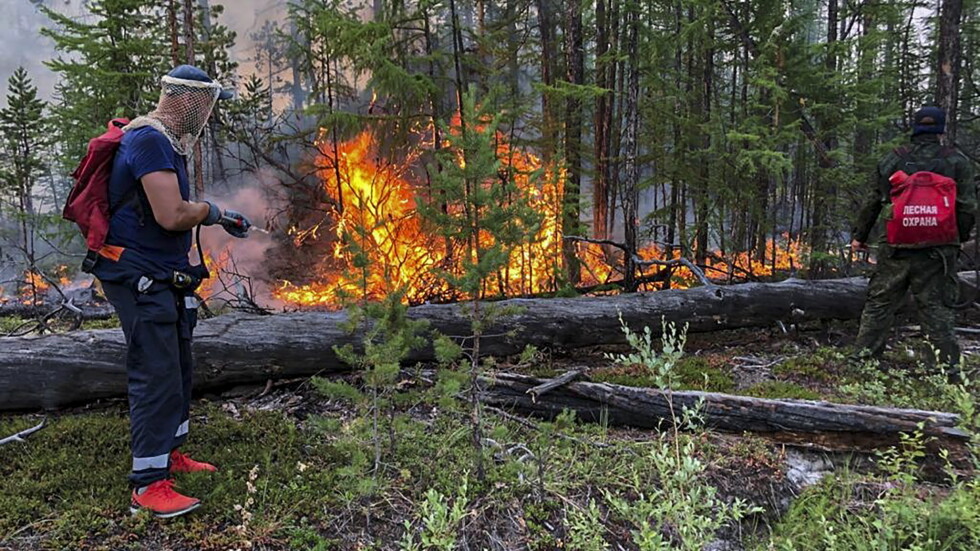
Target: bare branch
698, 272
20, 436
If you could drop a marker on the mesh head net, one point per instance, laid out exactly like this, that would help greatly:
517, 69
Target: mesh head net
182, 111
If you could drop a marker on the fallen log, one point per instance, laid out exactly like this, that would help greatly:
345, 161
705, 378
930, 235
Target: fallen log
54, 371
84, 312
822, 424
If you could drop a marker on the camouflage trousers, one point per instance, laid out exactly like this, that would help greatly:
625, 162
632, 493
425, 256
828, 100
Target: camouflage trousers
931, 276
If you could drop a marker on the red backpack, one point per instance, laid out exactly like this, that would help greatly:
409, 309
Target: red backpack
923, 209
88, 202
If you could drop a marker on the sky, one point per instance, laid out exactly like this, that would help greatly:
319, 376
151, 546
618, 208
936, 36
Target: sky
23, 45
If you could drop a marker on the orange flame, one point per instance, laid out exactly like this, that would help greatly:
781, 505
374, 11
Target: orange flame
380, 242
601, 267
216, 264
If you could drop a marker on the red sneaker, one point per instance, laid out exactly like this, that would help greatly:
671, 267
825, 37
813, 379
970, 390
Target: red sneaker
160, 499
180, 463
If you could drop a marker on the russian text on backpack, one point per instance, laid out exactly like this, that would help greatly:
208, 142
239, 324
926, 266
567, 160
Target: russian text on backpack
88, 202
923, 209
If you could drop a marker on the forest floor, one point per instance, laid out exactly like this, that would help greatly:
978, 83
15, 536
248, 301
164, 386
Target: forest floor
319, 464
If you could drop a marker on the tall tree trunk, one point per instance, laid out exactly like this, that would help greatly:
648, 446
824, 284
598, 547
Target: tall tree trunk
198, 167
948, 74
631, 195
548, 124
864, 136
174, 32
513, 48
676, 208
575, 74
825, 192
298, 91
615, 136
457, 35
214, 164
600, 191
702, 198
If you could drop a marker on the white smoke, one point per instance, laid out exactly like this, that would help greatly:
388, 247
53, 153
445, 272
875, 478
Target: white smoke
21, 43
244, 269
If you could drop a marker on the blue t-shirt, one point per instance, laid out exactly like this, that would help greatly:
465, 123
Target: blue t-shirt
142, 151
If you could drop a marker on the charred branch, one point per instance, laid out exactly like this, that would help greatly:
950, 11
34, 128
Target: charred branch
641, 263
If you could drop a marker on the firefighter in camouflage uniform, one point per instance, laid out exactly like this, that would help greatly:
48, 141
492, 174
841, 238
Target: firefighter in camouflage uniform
928, 271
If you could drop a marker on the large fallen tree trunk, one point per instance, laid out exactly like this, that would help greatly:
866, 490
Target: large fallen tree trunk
822, 424
57, 370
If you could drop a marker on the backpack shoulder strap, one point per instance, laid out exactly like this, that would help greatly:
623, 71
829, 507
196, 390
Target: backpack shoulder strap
902, 151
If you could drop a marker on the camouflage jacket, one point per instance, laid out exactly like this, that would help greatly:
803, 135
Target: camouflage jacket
924, 153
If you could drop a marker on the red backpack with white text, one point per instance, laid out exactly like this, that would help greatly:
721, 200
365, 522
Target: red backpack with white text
923, 209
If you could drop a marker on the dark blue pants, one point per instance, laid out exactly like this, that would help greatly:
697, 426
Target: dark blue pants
158, 326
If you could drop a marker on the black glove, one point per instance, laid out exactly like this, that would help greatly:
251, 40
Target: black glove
214, 215
233, 222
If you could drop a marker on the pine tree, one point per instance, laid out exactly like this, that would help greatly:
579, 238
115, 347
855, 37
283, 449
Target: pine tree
486, 217
24, 130
109, 67
111, 62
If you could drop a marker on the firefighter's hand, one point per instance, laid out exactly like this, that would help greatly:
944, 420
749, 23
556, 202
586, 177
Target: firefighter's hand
235, 223
858, 246
214, 215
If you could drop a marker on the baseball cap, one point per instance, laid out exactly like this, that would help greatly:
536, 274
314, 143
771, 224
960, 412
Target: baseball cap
189, 72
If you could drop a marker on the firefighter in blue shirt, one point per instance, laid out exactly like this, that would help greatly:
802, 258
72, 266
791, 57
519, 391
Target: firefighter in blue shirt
147, 276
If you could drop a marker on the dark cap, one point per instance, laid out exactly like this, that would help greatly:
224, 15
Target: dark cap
189, 72
929, 120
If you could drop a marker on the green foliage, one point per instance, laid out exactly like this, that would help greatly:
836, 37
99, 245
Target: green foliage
447, 350
891, 509
901, 463
486, 216
439, 521
24, 130
110, 63
834, 517
903, 383
690, 373
25, 143
308, 480
388, 337
660, 364
334, 390
679, 511
585, 528
111, 323
820, 365
695, 372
